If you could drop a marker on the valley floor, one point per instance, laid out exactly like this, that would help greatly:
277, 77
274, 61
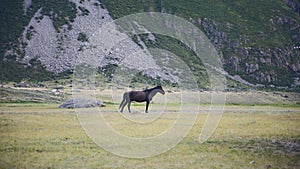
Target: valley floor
36, 135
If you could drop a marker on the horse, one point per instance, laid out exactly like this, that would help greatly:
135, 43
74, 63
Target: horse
140, 96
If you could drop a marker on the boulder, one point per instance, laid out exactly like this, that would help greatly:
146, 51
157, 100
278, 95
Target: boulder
81, 103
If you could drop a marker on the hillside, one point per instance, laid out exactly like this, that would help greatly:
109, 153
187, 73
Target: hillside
40, 40
257, 38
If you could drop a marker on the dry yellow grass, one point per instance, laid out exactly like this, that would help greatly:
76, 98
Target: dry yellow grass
42, 136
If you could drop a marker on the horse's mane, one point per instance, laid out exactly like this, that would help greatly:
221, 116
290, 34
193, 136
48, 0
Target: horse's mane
146, 90
157, 87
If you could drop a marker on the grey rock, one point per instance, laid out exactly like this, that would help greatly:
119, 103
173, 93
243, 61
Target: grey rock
81, 103
27, 4
294, 5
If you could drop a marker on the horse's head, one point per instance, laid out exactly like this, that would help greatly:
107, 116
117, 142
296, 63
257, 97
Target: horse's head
160, 89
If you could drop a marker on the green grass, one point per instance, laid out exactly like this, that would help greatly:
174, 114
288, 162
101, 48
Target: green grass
245, 23
42, 136
17, 95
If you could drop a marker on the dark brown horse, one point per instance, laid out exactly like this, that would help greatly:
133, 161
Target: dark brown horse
140, 96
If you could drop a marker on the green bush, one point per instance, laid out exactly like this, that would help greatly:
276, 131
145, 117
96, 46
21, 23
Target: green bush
82, 37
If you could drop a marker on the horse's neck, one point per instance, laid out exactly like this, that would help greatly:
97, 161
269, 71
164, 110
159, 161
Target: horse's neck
152, 93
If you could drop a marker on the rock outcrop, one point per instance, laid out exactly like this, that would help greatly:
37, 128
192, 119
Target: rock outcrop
263, 65
81, 103
294, 5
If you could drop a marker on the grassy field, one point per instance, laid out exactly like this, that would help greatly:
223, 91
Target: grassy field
34, 135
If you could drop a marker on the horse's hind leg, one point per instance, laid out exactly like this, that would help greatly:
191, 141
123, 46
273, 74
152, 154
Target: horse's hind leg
124, 101
122, 105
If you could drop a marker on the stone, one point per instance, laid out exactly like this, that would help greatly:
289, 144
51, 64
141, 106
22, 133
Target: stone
81, 103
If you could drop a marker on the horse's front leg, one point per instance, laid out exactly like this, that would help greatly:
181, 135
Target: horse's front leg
129, 103
147, 105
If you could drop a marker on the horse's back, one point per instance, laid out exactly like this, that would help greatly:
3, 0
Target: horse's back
138, 96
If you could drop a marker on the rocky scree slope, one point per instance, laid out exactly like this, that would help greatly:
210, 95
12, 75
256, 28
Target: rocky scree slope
58, 46
258, 40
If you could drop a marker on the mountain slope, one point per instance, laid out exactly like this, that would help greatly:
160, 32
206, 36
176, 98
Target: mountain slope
257, 39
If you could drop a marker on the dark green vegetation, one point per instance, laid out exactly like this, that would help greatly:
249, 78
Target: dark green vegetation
60, 11
108, 71
82, 37
246, 17
256, 38
13, 20
183, 52
246, 32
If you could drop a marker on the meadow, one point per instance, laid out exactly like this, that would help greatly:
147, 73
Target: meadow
39, 135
